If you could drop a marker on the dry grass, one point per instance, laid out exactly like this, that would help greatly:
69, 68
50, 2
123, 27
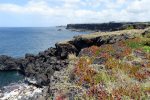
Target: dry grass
98, 34
72, 57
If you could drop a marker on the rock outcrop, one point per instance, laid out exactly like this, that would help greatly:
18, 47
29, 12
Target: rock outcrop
40, 67
112, 26
8, 63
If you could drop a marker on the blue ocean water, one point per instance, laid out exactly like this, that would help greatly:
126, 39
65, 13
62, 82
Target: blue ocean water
17, 41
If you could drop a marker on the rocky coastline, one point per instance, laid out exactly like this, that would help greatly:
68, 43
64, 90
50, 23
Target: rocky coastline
111, 26
40, 68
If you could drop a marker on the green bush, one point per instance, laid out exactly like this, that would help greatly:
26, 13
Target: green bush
134, 45
147, 48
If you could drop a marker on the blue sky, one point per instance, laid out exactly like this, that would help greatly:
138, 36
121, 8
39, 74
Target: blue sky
26, 13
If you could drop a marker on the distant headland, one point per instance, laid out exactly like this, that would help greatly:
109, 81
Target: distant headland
111, 26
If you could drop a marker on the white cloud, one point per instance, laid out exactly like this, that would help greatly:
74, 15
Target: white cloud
80, 11
139, 6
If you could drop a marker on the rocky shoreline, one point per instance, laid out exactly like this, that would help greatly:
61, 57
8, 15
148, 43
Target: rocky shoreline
39, 68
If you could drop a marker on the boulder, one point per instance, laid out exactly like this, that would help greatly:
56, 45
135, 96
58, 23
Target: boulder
64, 49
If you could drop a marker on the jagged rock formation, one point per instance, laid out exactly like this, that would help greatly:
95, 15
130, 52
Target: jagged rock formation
112, 26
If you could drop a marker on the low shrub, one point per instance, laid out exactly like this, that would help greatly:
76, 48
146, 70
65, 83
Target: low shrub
84, 72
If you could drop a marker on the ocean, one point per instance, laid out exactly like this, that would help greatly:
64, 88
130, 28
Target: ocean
17, 41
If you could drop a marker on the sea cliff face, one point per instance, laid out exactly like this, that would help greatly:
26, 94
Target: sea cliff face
112, 26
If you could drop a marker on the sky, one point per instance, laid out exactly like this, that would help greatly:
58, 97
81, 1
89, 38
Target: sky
44, 13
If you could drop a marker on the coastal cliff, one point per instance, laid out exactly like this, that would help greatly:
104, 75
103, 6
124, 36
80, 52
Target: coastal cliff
112, 26
39, 69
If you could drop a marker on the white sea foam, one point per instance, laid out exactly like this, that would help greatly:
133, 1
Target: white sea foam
19, 91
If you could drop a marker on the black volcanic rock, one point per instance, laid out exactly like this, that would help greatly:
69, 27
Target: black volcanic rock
63, 49
80, 42
40, 67
8, 63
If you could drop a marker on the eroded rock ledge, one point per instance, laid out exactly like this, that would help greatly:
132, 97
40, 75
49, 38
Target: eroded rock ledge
41, 67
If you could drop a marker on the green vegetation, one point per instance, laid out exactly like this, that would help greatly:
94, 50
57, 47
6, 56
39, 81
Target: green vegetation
139, 43
129, 27
134, 45
118, 71
146, 49
118, 79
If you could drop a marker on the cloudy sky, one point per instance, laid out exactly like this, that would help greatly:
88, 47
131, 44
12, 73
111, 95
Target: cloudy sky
61, 12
